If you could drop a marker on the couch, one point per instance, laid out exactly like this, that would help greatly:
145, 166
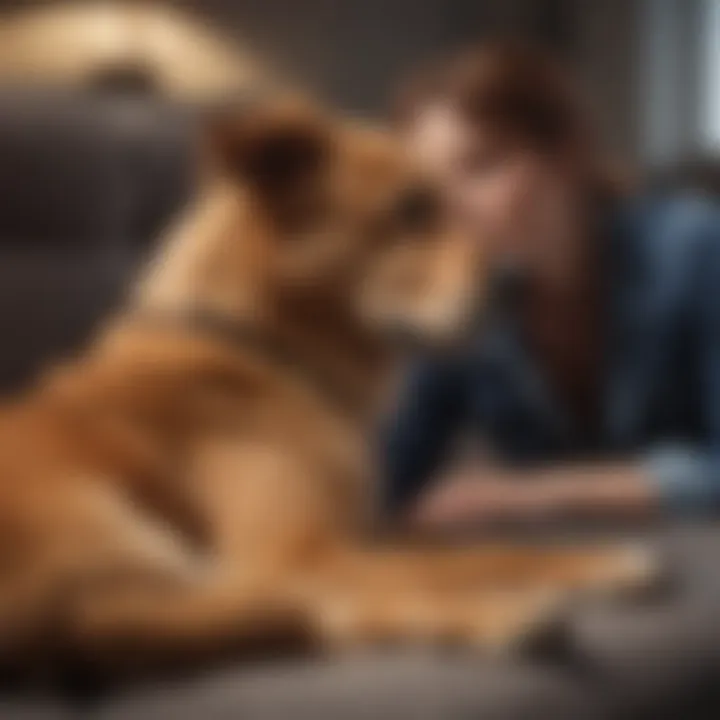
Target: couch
87, 182
85, 185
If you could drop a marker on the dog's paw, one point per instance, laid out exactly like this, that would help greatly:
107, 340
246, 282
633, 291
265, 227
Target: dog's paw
633, 572
534, 624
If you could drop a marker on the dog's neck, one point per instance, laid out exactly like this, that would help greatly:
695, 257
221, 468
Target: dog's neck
217, 260
208, 258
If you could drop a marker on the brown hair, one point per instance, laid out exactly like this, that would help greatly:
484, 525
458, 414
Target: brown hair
522, 92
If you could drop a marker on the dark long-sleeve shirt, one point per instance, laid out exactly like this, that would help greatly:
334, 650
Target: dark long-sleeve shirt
660, 399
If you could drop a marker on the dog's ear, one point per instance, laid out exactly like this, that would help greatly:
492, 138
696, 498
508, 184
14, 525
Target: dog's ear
278, 150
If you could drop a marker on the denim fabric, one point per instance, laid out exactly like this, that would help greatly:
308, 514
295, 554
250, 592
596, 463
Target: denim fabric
660, 399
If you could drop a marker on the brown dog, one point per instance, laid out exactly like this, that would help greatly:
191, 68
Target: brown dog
199, 480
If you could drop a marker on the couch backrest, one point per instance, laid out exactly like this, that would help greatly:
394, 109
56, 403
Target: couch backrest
85, 186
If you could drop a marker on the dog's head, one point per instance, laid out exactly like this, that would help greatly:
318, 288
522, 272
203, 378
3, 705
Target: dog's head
351, 220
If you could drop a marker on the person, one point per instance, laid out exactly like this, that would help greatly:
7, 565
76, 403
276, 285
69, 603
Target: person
592, 384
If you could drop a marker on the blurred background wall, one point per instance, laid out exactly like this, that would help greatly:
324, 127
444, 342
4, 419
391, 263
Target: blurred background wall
355, 51
651, 67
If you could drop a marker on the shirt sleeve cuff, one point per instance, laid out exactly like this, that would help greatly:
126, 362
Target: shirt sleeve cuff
687, 480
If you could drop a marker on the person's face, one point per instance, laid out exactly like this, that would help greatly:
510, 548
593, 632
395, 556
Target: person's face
515, 201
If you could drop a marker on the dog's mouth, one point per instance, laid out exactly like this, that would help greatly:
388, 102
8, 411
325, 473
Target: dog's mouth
435, 330
456, 324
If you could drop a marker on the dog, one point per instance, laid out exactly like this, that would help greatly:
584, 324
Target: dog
199, 481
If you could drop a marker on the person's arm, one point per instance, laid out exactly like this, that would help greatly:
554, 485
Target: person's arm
554, 493
669, 477
417, 438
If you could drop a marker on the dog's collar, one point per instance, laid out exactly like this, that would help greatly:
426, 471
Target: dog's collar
271, 346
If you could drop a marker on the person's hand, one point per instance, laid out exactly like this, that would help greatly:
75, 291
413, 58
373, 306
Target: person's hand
489, 495
479, 498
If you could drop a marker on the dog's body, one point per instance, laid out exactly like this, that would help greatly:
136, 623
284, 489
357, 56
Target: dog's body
182, 490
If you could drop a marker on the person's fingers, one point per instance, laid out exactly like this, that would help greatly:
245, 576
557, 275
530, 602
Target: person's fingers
458, 502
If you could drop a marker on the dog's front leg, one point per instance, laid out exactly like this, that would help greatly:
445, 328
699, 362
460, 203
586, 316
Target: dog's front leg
371, 598
493, 597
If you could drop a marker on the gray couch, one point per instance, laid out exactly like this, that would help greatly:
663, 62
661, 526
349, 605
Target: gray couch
632, 660
85, 184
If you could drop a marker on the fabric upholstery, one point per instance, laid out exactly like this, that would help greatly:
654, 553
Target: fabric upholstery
85, 185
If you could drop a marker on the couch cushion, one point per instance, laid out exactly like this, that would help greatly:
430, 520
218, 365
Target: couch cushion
86, 185
51, 302
59, 176
85, 170
637, 660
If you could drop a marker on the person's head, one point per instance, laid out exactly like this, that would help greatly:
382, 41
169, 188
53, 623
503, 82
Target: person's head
504, 129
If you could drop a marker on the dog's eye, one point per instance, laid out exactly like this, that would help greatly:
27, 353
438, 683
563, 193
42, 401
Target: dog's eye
417, 209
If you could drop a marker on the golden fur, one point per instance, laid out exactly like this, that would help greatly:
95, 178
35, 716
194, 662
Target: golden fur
174, 493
